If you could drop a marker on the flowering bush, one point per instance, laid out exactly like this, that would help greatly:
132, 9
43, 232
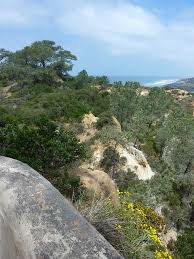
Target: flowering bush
147, 221
130, 227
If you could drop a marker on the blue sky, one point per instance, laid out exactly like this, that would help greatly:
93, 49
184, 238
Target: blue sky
112, 37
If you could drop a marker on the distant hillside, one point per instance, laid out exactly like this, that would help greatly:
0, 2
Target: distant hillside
185, 84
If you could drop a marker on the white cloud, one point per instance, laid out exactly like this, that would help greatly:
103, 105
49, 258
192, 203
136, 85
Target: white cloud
125, 28
117, 25
21, 13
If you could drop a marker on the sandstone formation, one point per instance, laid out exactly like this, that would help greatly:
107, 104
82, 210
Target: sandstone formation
88, 122
115, 124
98, 182
135, 160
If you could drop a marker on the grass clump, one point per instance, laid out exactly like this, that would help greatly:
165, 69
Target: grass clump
133, 229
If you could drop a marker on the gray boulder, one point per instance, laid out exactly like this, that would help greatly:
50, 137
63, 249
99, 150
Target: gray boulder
36, 221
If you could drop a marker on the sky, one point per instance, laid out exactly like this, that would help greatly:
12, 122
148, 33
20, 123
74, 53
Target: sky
110, 37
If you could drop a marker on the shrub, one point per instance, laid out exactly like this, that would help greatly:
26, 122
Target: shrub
184, 245
112, 135
130, 227
45, 148
105, 119
68, 184
110, 160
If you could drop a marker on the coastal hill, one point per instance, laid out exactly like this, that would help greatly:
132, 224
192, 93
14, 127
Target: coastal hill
122, 154
185, 84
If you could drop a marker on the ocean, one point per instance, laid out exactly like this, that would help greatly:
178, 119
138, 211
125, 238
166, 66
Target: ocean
149, 81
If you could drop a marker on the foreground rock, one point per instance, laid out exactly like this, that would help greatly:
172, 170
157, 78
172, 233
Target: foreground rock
37, 222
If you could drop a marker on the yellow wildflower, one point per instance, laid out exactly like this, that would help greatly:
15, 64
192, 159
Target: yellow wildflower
162, 255
118, 226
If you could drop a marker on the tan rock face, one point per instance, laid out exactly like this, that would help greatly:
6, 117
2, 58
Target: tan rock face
5, 91
90, 130
135, 160
90, 172
89, 120
116, 124
179, 94
87, 135
94, 178
98, 182
144, 92
97, 154
170, 235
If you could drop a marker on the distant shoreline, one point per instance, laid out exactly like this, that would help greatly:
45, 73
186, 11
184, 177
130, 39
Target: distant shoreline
149, 81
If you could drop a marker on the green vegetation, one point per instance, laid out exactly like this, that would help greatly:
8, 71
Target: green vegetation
44, 147
40, 99
41, 62
131, 228
185, 248
110, 160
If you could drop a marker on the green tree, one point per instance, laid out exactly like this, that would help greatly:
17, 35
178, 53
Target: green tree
100, 80
81, 80
109, 134
124, 103
151, 113
110, 161
37, 62
43, 54
175, 141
